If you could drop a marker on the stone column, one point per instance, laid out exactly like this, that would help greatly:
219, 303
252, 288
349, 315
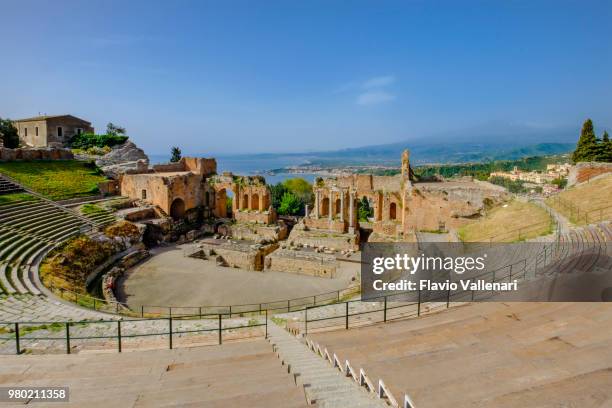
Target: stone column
261, 203
331, 199
342, 206
317, 203
306, 210
351, 210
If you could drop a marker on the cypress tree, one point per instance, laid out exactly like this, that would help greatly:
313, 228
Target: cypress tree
587, 146
605, 149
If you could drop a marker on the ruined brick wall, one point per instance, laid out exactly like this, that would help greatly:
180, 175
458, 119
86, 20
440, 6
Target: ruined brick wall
387, 183
302, 263
154, 188
585, 171
235, 255
336, 226
432, 205
258, 217
168, 167
257, 232
322, 238
200, 165
389, 228
109, 187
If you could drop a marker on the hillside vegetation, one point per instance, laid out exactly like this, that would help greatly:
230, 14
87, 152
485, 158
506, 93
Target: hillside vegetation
56, 180
515, 221
585, 203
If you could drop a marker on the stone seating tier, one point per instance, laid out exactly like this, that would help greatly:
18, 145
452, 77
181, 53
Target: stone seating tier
231, 375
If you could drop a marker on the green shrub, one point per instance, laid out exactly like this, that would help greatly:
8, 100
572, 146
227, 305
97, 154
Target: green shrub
290, 204
88, 140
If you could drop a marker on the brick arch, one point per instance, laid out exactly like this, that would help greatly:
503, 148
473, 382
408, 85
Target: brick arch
393, 211
177, 208
325, 206
255, 202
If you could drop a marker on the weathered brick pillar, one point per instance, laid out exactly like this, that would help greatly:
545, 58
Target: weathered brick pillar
342, 206
261, 202
306, 210
351, 210
317, 203
331, 199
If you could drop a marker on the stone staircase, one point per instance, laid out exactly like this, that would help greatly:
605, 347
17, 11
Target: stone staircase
322, 384
9, 187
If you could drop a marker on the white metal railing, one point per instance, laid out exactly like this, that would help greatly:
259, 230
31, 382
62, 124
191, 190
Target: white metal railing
361, 378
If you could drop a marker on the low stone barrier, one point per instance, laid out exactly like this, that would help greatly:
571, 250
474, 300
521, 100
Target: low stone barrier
302, 263
586, 171
35, 153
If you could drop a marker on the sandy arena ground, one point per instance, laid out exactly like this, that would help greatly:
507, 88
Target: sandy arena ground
169, 278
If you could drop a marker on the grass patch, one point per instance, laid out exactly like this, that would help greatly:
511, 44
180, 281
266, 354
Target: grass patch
586, 202
56, 180
516, 221
89, 209
15, 197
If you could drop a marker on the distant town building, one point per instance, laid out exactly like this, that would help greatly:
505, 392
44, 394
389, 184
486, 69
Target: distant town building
553, 171
50, 131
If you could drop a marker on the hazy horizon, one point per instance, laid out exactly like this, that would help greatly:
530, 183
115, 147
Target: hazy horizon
227, 78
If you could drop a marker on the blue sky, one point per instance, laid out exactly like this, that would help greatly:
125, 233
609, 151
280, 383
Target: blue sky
246, 76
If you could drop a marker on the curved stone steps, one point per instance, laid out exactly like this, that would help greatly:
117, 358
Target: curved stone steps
14, 208
35, 226
8, 287
26, 214
22, 221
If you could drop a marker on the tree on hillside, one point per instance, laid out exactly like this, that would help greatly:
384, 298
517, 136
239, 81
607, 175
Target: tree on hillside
114, 130
605, 149
290, 204
302, 189
10, 138
364, 211
587, 146
175, 154
277, 191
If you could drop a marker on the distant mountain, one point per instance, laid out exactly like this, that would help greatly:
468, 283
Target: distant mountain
471, 145
489, 142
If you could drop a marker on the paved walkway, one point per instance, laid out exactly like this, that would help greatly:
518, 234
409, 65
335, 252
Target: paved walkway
562, 223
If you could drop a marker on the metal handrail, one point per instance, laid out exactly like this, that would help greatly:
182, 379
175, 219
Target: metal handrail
170, 332
290, 306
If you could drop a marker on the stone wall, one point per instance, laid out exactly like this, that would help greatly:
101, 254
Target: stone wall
302, 263
35, 153
257, 232
233, 254
322, 238
109, 187
585, 171
258, 217
336, 226
432, 206
197, 165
